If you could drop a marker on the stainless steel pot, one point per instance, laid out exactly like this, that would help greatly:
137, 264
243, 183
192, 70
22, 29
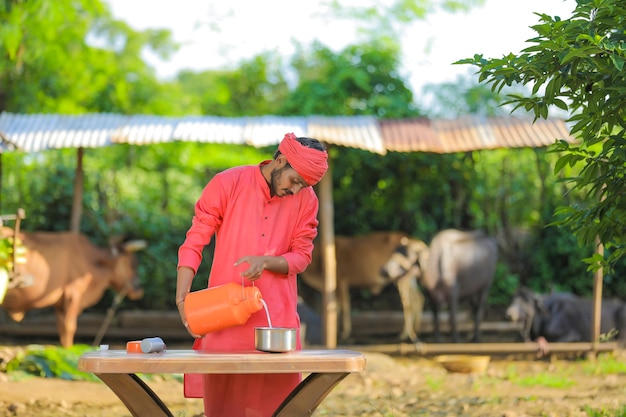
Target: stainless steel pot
275, 339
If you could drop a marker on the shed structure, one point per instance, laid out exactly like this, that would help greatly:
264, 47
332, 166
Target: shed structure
41, 132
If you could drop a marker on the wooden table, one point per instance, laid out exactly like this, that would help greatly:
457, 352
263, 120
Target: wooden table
118, 370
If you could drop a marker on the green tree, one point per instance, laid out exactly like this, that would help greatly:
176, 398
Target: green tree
577, 64
362, 79
256, 87
71, 56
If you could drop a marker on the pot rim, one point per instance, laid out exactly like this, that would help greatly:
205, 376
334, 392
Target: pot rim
266, 328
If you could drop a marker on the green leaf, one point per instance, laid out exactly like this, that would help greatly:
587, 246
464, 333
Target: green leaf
618, 61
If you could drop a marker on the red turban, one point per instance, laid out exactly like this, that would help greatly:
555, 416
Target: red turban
310, 163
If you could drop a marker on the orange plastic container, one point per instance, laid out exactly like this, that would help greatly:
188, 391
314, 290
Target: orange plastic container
221, 307
134, 346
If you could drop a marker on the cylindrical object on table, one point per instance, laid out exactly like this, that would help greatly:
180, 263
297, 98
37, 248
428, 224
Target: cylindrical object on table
152, 344
221, 307
275, 339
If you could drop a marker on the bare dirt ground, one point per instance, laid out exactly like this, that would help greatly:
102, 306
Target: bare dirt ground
390, 387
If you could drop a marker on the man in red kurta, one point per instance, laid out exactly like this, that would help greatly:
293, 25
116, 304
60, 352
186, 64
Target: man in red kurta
264, 218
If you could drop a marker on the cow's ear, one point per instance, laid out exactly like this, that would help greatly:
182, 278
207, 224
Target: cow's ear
134, 245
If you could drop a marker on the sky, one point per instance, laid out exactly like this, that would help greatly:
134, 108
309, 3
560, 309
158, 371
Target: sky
219, 34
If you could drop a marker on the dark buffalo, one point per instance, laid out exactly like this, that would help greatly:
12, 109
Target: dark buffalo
457, 266
67, 272
564, 317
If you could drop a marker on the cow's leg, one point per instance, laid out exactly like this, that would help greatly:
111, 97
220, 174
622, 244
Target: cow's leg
418, 307
435, 308
412, 306
479, 306
343, 299
67, 311
453, 303
475, 305
62, 326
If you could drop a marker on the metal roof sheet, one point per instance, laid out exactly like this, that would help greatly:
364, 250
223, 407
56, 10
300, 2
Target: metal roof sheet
269, 130
410, 135
470, 133
38, 132
209, 129
362, 132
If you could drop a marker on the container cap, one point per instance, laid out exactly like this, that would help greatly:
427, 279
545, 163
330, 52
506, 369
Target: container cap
134, 346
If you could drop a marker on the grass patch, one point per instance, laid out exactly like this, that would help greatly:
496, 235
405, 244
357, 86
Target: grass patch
558, 378
434, 383
545, 379
592, 412
605, 365
50, 362
62, 363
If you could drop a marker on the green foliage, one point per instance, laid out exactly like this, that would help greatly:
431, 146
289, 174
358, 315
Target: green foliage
70, 56
51, 362
391, 187
558, 263
504, 285
62, 363
576, 64
362, 79
256, 87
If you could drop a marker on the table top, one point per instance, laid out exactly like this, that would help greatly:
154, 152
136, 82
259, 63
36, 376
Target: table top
192, 361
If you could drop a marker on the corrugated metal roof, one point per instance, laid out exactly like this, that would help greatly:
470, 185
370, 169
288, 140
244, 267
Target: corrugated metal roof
39, 132
269, 130
210, 130
410, 135
471, 133
361, 132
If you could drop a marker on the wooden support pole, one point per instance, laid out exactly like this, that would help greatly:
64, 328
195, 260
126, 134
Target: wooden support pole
327, 239
597, 302
77, 201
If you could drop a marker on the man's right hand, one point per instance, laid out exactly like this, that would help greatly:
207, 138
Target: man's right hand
184, 277
183, 318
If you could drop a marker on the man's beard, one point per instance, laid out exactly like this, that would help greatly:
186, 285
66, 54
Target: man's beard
274, 180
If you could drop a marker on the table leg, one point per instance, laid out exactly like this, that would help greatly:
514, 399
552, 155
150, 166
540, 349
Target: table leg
140, 400
305, 398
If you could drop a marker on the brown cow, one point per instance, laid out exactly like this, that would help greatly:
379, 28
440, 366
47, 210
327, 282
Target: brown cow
359, 260
70, 274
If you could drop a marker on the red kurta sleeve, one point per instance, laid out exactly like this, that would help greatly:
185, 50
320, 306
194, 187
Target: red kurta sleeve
206, 221
299, 257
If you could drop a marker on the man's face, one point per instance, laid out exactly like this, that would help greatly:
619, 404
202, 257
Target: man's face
286, 181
